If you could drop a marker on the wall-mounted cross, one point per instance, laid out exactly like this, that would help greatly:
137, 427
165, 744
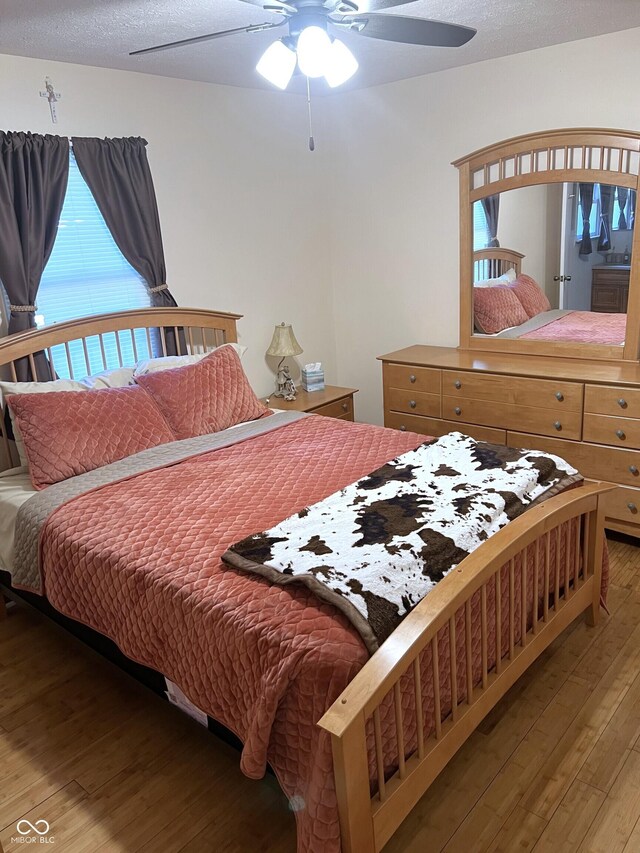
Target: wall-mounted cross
52, 96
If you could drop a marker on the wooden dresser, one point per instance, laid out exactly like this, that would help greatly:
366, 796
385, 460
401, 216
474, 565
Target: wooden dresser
610, 288
588, 412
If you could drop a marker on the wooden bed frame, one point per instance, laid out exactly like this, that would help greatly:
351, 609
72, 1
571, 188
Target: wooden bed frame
368, 820
492, 263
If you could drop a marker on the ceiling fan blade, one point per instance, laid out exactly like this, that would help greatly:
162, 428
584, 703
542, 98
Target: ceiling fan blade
410, 30
263, 3
366, 6
253, 28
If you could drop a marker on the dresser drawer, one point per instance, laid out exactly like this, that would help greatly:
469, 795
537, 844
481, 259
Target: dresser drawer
425, 379
561, 396
618, 432
510, 416
612, 400
595, 462
437, 427
413, 402
622, 504
340, 409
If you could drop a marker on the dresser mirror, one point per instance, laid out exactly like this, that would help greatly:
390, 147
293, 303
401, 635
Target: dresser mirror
548, 245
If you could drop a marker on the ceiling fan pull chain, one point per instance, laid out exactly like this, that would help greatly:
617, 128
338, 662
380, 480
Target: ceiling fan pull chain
312, 144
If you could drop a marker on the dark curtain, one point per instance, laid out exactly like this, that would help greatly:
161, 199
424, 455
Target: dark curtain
623, 195
586, 203
491, 207
34, 170
118, 175
606, 209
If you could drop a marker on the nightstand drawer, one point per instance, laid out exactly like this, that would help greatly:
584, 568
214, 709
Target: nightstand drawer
413, 402
618, 432
612, 400
510, 416
340, 409
412, 378
520, 391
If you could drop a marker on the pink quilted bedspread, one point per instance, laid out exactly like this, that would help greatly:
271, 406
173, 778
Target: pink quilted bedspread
588, 327
139, 561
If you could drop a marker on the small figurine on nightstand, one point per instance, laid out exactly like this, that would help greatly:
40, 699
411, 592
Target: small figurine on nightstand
285, 384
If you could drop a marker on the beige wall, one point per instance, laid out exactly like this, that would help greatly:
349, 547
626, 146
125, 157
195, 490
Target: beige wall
522, 225
241, 198
395, 250
356, 244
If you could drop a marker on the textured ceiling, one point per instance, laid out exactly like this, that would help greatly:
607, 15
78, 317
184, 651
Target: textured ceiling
102, 32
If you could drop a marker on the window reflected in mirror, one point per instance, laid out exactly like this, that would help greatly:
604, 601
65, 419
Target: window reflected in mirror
552, 262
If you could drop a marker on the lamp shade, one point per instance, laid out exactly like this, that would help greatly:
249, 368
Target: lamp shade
284, 342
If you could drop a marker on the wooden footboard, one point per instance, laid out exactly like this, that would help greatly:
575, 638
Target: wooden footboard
368, 821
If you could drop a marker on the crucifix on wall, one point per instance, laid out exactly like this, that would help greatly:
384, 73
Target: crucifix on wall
52, 96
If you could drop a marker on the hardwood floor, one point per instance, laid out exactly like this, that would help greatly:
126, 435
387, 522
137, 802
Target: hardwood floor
555, 767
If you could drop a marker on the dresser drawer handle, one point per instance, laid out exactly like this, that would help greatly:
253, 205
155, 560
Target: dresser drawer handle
559, 396
458, 410
634, 470
345, 407
412, 378
557, 425
412, 403
458, 384
622, 403
632, 507
620, 434
403, 428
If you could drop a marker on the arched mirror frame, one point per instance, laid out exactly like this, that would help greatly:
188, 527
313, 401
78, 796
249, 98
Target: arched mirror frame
568, 155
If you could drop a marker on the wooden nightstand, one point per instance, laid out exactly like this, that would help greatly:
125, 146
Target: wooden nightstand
334, 402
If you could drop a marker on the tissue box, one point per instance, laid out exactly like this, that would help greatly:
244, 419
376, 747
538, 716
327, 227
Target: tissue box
312, 380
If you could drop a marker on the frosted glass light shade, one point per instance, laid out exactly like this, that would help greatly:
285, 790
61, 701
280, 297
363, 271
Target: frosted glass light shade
314, 48
277, 64
341, 64
284, 342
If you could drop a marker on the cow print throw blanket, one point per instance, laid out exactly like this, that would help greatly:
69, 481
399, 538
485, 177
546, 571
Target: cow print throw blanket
377, 547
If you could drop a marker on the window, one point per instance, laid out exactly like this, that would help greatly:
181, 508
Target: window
596, 212
87, 274
481, 235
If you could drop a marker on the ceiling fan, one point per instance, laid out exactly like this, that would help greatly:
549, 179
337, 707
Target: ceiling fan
310, 43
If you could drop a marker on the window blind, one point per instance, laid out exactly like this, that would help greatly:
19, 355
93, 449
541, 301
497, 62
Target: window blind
87, 274
481, 235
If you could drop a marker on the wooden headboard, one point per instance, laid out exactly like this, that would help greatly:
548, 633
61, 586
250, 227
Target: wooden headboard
79, 348
492, 263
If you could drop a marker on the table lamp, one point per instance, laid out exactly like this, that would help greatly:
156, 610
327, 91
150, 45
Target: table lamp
284, 344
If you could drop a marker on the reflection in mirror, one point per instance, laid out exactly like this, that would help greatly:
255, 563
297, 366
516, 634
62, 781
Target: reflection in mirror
552, 262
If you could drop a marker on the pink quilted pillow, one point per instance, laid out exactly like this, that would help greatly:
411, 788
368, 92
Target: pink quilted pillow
496, 308
532, 297
205, 397
71, 432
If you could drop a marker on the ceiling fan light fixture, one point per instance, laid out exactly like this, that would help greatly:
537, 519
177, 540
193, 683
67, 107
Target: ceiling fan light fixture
342, 64
277, 64
314, 51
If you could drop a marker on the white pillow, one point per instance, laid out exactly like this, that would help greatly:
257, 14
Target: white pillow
505, 278
119, 377
168, 362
